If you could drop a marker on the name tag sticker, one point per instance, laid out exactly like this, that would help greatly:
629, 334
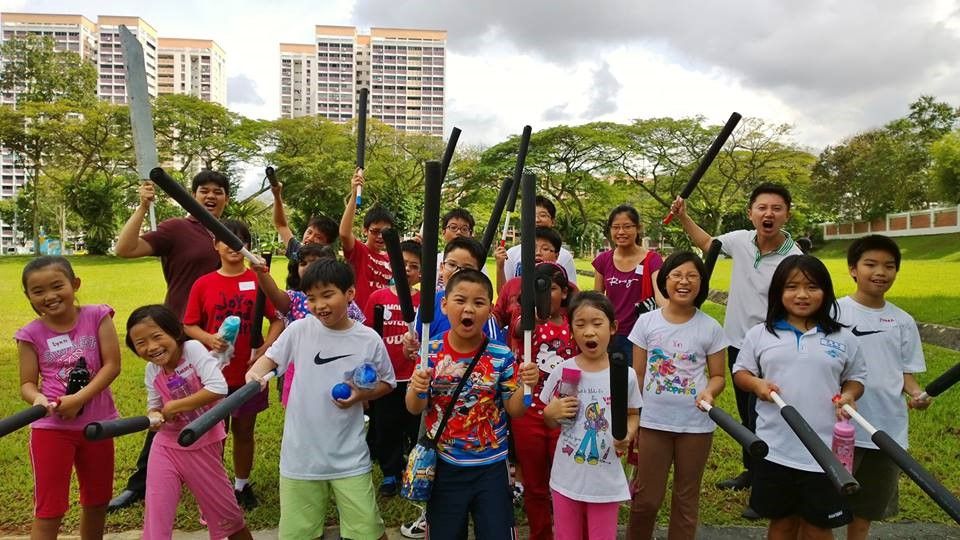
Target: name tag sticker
59, 343
639, 270
248, 285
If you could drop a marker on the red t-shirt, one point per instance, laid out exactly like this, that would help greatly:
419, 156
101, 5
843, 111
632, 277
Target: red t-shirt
508, 308
394, 328
213, 298
185, 248
371, 269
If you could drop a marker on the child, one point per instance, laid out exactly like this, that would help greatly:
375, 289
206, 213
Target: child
626, 274
805, 355
674, 347
889, 337
369, 261
155, 334
50, 348
508, 263
394, 429
454, 224
232, 290
471, 472
587, 479
323, 447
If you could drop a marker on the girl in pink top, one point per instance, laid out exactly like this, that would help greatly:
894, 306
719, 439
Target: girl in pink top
183, 379
66, 338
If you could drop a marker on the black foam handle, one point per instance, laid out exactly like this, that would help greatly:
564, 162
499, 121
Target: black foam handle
711, 154
448, 153
491, 229
542, 286
943, 382
940, 495
271, 176
528, 252
431, 237
841, 478
518, 169
21, 418
194, 430
618, 395
399, 269
256, 330
362, 128
747, 439
378, 319
108, 429
710, 262
184, 199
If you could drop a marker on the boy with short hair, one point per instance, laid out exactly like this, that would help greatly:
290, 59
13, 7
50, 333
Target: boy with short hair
232, 290
471, 477
369, 260
508, 262
323, 348
890, 342
456, 223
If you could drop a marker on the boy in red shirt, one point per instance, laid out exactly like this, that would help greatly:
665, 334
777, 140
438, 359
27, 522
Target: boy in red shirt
369, 260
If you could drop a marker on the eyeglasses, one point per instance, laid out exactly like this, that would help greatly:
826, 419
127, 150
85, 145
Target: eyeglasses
454, 267
624, 228
465, 229
680, 277
376, 232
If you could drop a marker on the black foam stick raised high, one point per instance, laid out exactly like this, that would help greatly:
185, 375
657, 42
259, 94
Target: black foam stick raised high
378, 319
619, 386
21, 418
517, 174
108, 429
747, 439
428, 259
361, 138
707, 160
496, 214
397, 266
185, 200
256, 330
271, 174
710, 262
448, 152
528, 287
942, 383
194, 430
841, 478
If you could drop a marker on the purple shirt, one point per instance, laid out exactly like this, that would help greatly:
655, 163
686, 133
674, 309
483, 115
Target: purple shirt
624, 289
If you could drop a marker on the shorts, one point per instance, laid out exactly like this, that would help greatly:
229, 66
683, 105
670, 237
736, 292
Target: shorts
254, 405
303, 507
53, 455
780, 491
879, 495
482, 492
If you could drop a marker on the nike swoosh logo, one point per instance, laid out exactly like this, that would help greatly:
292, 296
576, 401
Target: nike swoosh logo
321, 361
860, 333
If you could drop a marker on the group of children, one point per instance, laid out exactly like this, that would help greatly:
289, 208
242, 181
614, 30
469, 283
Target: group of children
796, 340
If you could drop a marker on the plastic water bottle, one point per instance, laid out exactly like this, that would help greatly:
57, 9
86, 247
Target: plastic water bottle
228, 331
569, 382
844, 439
179, 389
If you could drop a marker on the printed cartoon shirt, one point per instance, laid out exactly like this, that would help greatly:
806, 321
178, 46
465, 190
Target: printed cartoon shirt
476, 433
585, 465
552, 343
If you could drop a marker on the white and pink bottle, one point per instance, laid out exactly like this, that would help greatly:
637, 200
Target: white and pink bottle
844, 439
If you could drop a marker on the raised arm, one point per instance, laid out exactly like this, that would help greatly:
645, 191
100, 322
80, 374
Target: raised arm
279, 216
129, 243
697, 235
347, 239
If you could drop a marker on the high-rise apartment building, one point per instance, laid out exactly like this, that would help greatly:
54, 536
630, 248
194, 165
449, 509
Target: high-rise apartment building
111, 85
402, 68
196, 67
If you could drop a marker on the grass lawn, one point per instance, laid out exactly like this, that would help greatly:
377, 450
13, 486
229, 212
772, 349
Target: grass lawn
128, 284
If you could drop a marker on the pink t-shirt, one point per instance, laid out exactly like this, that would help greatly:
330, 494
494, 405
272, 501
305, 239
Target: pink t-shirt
626, 289
58, 354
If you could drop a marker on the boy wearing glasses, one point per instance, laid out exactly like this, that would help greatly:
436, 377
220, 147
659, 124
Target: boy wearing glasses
456, 223
508, 261
369, 260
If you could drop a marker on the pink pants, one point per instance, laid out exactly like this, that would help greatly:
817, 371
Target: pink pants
572, 519
203, 473
535, 444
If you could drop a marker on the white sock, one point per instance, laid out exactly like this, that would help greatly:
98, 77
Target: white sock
240, 483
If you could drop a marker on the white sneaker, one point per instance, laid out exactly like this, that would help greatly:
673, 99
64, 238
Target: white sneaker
417, 528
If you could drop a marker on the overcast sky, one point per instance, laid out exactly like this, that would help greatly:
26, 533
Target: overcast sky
830, 68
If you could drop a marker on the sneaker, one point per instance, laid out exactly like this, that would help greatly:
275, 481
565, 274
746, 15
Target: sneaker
246, 498
518, 494
389, 486
417, 528
737, 483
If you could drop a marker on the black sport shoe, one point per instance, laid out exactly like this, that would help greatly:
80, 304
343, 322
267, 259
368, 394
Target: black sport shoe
737, 483
124, 499
246, 498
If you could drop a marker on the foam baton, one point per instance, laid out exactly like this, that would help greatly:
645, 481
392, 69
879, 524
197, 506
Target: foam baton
517, 173
707, 160
448, 152
21, 419
841, 478
710, 262
271, 174
256, 331
940, 495
428, 264
361, 138
528, 274
496, 214
194, 430
109, 429
378, 319
747, 439
942, 383
542, 300
179, 194
399, 270
619, 387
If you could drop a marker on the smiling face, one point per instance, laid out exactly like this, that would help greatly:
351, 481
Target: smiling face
313, 235
768, 213
329, 304
374, 234
456, 228
801, 298
212, 197
875, 273
683, 284
50, 291
468, 309
592, 331
623, 230
154, 345
227, 255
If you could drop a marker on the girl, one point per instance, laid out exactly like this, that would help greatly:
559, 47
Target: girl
802, 347
59, 342
626, 274
674, 347
534, 441
182, 379
587, 479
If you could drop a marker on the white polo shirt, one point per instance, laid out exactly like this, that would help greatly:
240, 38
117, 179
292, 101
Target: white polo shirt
750, 280
891, 346
511, 267
809, 367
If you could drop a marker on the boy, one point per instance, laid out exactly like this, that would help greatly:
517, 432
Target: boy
393, 430
508, 262
320, 229
454, 224
232, 290
471, 474
891, 344
323, 447
755, 255
369, 261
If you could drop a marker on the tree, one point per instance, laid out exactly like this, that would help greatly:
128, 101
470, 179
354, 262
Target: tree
38, 73
946, 167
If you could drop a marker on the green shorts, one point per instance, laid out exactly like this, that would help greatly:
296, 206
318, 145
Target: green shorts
303, 507
879, 495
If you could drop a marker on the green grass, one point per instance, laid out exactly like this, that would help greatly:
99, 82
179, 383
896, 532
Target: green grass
128, 284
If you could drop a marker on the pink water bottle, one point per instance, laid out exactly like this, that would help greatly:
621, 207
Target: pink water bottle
569, 381
844, 439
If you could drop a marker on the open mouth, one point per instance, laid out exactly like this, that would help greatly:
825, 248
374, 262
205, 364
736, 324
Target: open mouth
158, 356
591, 344
767, 225
683, 290
467, 322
